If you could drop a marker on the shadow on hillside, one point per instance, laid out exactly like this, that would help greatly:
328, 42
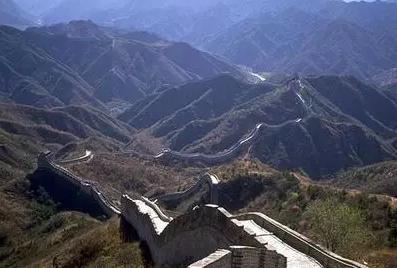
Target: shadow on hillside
128, 234
47, 187
67, 196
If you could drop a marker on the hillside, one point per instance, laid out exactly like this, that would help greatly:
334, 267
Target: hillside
314, 44
339, 110
31, 76
379, 178
82, 63
34, 231
310, 37
251, 186
391, 91
11, 14
25, 131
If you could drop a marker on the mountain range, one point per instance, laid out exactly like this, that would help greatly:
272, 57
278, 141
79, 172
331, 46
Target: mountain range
305, 87
359, 41
288, 36
336, 122
82, 63
11, 14
173, 95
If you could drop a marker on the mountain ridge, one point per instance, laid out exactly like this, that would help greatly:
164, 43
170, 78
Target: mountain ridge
317, 106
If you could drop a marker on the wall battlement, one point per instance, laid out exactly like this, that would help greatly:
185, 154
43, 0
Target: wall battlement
208, 179
88, 187
213, 159
191, 236
209, 232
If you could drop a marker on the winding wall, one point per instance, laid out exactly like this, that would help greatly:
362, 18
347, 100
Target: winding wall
213, 159
300, 242
189, 237
229, 154
208, 179
204, 230
87, 187
85, 158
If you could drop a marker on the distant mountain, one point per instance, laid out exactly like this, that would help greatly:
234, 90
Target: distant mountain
82, 63
295, 41
285, 36
193, 21
386, 78
31, 76
11, 14
67, 10
173, 19
377, 16
335, 122
391, 91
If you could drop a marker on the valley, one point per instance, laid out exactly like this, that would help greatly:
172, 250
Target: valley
198, 134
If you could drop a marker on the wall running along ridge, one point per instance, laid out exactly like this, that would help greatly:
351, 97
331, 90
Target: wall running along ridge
208, 179
218, 158
209, 233
88, 187
193, 235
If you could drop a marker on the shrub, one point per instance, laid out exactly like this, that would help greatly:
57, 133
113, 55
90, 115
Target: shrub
341, 228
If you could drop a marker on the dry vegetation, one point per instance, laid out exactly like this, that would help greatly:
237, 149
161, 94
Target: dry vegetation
122, 173
34, 234
252, 186
379, 178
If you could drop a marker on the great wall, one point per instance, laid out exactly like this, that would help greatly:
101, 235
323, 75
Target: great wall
208, 179
206, 236
169, 155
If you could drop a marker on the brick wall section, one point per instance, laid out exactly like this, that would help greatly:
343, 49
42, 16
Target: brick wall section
221, 258
231, 153
88, 187
241, 257
176, 241
208, 179
300, 242
189, 237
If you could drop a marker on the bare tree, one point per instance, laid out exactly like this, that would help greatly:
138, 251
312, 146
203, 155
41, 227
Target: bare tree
339, 227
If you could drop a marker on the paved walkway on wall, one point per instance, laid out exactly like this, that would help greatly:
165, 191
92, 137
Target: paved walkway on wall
295, 258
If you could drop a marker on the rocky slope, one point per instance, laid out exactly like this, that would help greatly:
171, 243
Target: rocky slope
336, 122
379, 178
25, 131
310, 37
315, 43
391, 91
33, 230
82, 63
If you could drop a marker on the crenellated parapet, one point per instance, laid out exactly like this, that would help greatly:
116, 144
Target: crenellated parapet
209, 180
213, 159
207, 236
90, 188
191, 236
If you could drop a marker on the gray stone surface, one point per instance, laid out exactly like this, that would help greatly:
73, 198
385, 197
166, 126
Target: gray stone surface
251, 240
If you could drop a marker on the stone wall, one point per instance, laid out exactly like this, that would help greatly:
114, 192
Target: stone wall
214, 159
203, 231
300, 242
221, 258
241, 257
208, 179
189, 237
89, 188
